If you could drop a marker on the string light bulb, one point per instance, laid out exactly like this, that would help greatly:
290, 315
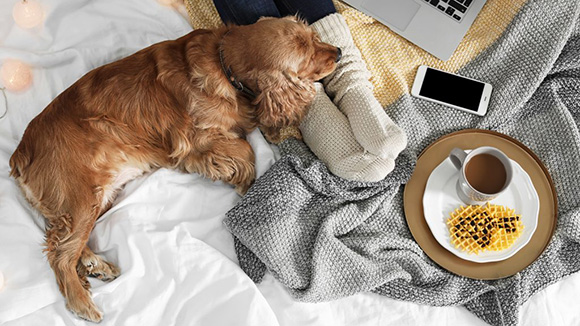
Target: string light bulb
15, 75
27, 13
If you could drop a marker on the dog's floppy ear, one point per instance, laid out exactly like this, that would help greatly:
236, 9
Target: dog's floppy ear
282, 99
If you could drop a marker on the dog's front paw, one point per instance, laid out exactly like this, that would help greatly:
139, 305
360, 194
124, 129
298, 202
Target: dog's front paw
105, 271
93, 265
242, 189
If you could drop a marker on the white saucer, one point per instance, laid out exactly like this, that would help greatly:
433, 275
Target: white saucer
440, 199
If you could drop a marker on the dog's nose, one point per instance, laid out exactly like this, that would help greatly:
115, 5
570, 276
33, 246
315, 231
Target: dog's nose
338, 54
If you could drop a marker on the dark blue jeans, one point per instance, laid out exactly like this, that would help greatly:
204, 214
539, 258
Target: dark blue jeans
244, 12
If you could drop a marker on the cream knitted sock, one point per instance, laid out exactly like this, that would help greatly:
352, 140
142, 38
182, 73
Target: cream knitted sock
328, 134
351, 91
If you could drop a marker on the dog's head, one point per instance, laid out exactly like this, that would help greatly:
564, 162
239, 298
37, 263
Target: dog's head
280, 59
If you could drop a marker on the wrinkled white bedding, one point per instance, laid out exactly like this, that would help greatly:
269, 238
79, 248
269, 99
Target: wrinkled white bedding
165, 230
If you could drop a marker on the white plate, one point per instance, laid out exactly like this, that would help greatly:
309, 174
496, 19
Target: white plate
441, 198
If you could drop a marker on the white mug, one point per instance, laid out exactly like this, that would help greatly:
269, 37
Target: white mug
465, 190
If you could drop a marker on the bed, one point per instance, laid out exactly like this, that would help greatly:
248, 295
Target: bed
165, 230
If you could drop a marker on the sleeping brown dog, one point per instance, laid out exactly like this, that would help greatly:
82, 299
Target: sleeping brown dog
185, 104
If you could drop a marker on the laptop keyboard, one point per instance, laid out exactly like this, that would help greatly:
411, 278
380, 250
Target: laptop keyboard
454, 9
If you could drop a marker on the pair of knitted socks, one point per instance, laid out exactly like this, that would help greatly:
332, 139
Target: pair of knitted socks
351, 133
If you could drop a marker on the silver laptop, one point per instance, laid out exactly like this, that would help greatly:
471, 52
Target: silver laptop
437, 26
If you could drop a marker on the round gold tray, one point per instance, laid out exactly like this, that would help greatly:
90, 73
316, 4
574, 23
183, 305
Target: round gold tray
433, 155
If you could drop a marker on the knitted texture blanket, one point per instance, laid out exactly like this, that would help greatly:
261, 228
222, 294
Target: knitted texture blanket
326, 238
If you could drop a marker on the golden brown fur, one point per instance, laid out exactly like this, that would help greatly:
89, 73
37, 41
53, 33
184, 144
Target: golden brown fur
169, 105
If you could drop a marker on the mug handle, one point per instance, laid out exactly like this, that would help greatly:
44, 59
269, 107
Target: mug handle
457, 157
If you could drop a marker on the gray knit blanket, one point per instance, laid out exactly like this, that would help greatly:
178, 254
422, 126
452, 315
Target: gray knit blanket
325, 238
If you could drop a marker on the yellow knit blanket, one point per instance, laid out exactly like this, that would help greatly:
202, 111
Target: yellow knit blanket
391, 59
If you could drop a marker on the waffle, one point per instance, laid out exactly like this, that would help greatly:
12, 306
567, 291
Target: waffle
509, 227
479, 228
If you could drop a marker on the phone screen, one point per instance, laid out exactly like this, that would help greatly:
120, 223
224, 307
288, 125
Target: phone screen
452, 89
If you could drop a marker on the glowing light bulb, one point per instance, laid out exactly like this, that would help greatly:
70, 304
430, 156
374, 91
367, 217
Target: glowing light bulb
15, 75
27, 13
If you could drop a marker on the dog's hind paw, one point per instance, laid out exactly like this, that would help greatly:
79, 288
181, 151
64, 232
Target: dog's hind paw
85, 310
91, 314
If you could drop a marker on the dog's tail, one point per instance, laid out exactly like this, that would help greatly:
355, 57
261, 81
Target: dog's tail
19, 161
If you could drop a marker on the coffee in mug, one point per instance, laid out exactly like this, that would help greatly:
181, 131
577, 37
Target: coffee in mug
484, 173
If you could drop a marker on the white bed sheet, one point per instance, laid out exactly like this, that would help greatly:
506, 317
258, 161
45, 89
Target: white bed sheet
165, 230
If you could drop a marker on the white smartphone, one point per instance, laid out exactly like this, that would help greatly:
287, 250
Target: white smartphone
452, 90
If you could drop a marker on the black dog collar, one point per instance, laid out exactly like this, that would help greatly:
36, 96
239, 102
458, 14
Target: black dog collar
230, 75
